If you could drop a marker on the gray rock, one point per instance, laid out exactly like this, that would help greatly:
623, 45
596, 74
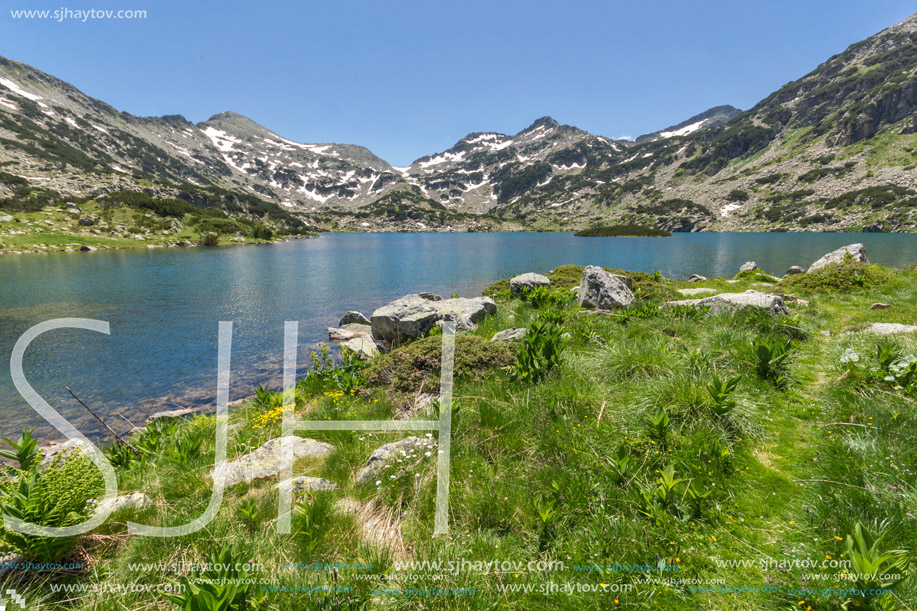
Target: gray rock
304, 483
508, 335
748, 299
6, 218
354, 318
603, 290
62, 449
389, 452
697, 291
794, 270
349, 331
697, 278
748, 266
86, 221
410, 317
266, 460
175, 413
73, 210
364, 348
857, 253
87, 248
880, 306
527, 282
890, 328
431, 296
413, 316
133, 500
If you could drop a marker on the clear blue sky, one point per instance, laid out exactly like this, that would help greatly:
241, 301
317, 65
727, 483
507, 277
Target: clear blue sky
408, 78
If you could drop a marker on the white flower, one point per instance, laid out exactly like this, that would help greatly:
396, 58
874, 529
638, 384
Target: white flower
427, 453
391, 477
378, 482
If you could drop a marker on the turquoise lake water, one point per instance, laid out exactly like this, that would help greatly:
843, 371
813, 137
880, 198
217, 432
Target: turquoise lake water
164, 305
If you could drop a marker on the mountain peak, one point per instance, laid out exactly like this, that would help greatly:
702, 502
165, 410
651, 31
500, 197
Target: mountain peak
544, 122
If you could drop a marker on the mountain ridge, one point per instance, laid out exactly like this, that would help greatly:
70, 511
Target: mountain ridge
847, 126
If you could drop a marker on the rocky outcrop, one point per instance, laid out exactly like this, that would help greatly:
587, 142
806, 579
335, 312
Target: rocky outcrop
349, 331
509, 335
413, 316
364, 348
527, 282
353, 318
855, 252
409, 447
890, 328
602, 290
266, 460
304, 483
731, 301
62, 450
794, 270
131, 500
697, 278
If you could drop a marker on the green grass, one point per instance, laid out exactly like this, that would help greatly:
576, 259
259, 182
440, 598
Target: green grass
558, 470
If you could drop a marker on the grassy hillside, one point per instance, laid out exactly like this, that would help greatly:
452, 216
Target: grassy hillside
667, 458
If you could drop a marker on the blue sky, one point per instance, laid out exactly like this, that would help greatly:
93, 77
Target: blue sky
408, 78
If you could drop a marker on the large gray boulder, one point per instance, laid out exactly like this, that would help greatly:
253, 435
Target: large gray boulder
413, 316
733, 301
409, 447
266, 460
527, 282
857, 253
602, 290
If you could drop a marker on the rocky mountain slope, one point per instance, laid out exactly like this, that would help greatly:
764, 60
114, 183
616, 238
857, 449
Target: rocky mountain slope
834, 150
709, 118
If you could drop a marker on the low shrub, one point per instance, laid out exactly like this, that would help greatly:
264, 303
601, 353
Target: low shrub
839, 277
406, 368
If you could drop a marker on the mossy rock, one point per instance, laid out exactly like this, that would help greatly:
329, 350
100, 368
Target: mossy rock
846, 276
404, 369
566, 277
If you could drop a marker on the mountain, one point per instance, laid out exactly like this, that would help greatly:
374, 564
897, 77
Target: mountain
709, 118
833, 150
